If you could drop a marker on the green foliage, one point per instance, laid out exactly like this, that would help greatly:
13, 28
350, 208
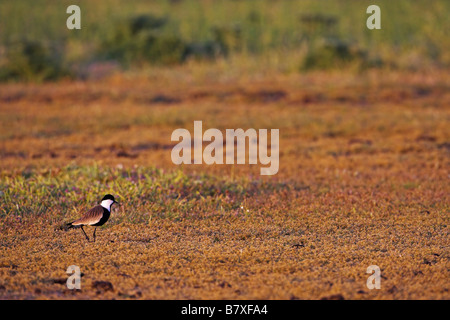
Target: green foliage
144, 22
229, 39
318, 24
412, 35
31, 61
205, 50
140, 39
333, 53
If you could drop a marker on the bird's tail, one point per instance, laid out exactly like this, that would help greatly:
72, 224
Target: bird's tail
69, 225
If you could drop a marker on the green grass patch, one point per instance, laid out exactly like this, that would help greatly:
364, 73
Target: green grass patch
143, 192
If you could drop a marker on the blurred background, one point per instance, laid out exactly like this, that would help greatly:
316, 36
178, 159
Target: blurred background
137, 70
247, 36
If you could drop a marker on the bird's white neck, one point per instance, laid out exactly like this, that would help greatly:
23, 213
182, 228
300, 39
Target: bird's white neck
107, 204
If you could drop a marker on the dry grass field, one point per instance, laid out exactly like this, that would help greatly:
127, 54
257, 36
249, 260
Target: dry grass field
363, 180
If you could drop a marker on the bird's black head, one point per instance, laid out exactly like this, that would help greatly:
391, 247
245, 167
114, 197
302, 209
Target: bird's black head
109, 197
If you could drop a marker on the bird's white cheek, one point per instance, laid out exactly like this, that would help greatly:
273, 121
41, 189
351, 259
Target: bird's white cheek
107, 204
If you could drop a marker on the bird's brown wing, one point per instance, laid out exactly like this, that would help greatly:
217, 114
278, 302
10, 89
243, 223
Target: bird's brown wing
91, 217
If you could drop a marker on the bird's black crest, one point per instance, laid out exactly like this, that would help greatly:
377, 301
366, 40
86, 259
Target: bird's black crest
108, 197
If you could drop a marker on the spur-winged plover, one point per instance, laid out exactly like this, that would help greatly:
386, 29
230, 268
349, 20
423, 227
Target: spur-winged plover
97, 216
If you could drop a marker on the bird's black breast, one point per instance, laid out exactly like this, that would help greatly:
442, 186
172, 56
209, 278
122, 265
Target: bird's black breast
104, 218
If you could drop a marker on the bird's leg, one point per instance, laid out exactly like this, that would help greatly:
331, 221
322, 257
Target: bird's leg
94, 233
85, 234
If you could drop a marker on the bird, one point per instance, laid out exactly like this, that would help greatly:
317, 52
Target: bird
97, 216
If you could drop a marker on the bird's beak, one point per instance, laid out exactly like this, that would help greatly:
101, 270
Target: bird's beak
117, 202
